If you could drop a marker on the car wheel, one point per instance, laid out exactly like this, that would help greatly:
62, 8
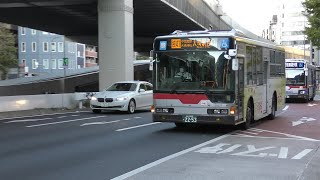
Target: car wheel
249, 116
96, 111
131, 106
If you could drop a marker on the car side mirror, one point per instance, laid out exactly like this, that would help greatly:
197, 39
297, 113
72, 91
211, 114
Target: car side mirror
142, 90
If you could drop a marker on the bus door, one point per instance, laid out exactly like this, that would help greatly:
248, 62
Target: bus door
240, 87
265, 84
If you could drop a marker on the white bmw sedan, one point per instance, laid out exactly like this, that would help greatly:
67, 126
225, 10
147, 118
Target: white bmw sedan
123, 96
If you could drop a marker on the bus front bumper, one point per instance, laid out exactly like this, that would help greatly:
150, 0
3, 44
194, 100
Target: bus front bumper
297, 96
200, 119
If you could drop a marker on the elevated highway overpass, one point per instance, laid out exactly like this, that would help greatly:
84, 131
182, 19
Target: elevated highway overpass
117, 27
78, 19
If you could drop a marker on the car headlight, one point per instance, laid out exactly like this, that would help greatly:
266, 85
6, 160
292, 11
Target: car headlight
121, 98
93, 98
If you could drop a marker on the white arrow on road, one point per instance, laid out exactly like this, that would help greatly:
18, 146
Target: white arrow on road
302, 121
309, 104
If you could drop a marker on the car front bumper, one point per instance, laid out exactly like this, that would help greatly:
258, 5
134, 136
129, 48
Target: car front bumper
117, 106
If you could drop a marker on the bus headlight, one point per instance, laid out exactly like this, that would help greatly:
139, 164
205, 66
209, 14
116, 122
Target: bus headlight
302, 92
152, 109
232, 110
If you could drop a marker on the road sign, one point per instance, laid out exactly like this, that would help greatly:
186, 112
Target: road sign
65, 61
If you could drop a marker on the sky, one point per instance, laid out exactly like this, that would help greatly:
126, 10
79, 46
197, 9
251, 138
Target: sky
253, 15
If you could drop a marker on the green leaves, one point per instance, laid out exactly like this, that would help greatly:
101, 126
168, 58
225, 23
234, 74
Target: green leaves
312, 8
8, 51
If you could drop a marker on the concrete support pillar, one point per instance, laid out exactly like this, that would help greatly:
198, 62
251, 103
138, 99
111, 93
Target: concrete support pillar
115, 36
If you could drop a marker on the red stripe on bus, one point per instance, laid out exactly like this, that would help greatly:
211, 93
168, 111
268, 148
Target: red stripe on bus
184, 98
296, 87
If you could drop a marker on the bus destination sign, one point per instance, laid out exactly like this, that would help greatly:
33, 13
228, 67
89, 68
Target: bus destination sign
294, 65
204, 43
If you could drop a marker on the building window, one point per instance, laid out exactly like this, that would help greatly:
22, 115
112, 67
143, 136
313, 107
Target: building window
23, 31
53, 64
45, 47
34, 47
46, 64
23, 47
60, 46
60, 63
72, 47
23, 62
33, 31
35, 64
53, 47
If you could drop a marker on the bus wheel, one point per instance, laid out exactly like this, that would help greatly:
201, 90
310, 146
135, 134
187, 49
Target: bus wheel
249, 116
273, 109
97, 111
131, 106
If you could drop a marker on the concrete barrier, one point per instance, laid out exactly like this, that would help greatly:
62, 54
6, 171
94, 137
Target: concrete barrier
43, 101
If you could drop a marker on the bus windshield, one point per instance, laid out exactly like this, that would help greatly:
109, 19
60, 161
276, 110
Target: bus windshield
193, 71
295, 77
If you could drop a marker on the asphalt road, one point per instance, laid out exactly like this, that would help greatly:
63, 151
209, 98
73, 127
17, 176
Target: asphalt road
83, 145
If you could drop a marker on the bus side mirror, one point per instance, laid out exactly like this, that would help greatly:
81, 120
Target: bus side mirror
151, 57
151, 65
235, 64
232, 52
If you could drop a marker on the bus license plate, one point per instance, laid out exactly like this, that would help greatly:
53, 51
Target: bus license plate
189, 119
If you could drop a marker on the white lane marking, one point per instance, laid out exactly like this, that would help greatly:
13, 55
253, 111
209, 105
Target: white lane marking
60, 122
311, 105
124, 129
265, 137
162, 160
290, 135
248, 132
302, 121
19, 117
240, 135
302, 154
285, 108
137, 117
62, 117
256, 130
283, 153
27, 120
104, 122
75, 115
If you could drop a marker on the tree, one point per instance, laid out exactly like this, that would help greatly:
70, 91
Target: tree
312, 8
8, 51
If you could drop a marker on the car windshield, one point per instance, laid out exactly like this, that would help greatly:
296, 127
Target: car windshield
122, 87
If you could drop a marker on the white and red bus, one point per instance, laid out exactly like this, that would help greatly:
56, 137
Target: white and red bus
301, 80
216, 77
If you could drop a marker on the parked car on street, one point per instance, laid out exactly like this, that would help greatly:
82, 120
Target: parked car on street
123, 96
